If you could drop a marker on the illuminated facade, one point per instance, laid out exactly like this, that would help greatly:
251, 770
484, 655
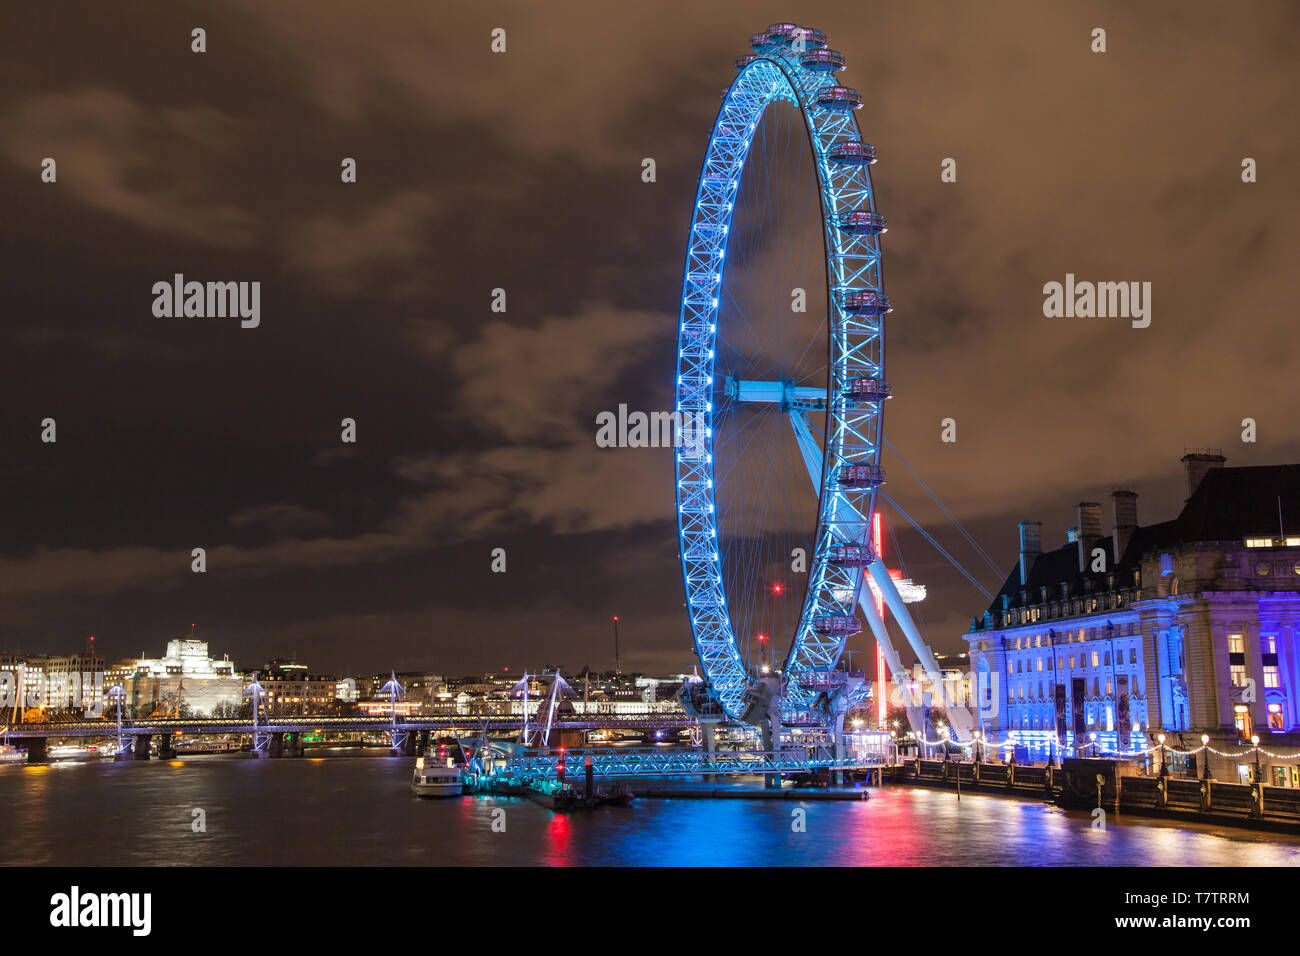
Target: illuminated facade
69, 684
186, 679
1189, 627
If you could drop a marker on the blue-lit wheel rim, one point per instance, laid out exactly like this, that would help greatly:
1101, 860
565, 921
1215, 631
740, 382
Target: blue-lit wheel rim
784, 68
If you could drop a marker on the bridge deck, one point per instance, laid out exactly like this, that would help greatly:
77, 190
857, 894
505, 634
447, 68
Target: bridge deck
467, 725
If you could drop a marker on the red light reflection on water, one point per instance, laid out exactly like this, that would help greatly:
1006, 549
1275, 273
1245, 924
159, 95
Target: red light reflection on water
559, 850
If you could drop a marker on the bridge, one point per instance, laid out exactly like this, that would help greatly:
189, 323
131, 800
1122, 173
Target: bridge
307, 724
283, 736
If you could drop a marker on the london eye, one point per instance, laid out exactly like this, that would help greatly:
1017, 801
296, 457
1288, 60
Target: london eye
781, 381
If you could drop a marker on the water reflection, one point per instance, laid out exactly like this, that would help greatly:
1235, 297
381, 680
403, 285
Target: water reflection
320, 812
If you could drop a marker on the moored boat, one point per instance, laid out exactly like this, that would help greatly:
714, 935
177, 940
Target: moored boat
436, 780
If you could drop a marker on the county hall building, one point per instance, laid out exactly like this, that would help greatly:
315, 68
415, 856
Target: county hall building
1186, 628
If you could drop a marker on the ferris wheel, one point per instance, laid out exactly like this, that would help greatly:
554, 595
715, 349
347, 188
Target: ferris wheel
781, 381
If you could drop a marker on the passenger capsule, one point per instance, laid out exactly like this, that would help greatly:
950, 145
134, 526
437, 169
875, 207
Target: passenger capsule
745, 60
867, 303
839, 98
807, 38
781, 33
851, 555
860, 476
852, 153
822, 61
836, 625
863, 222
868, 390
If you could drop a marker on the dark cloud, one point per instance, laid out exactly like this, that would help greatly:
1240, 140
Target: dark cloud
522, 171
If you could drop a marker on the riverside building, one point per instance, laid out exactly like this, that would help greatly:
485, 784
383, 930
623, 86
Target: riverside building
1189, 629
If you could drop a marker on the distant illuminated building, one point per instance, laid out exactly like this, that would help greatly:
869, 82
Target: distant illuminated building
185, 678
383, 707
293, 692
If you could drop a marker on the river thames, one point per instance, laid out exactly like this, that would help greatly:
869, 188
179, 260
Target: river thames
316, 811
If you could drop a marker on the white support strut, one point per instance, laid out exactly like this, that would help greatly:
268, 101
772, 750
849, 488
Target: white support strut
959, 717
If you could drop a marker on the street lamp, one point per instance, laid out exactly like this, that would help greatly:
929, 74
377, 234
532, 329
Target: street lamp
1092, 736
1254, 742
1164, 761
1205, 755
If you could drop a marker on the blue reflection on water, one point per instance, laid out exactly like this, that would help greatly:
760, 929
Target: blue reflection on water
359, 811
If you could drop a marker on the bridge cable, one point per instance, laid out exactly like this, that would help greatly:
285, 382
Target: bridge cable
1000, 572
937, 546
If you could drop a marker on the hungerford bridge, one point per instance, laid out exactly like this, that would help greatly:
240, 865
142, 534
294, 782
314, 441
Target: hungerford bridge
780, 388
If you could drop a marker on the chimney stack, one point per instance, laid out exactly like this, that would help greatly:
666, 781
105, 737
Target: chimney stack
1089, 531
1198, 463
1125, 504
1031, 546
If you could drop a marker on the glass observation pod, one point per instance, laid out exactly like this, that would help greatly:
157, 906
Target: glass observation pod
860, 476
852, 153
812, 39
867, 303
822, 61
868, 389
863, 222
840, 99
761, 43
745, 60
781, 34
836, 625
851, 555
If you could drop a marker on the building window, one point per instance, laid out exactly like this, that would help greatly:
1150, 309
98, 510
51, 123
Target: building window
1236, 644
1241, 717
1237, 673
1271, 677
1094, 658
1275, 717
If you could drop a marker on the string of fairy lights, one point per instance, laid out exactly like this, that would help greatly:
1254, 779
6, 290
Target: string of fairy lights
1093, 744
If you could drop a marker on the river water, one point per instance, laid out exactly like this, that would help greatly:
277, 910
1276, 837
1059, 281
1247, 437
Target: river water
357, 810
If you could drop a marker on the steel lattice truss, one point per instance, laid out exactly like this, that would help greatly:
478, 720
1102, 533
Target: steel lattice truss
790, 64
673, 763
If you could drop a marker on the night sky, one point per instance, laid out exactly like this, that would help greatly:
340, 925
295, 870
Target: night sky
522, 171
